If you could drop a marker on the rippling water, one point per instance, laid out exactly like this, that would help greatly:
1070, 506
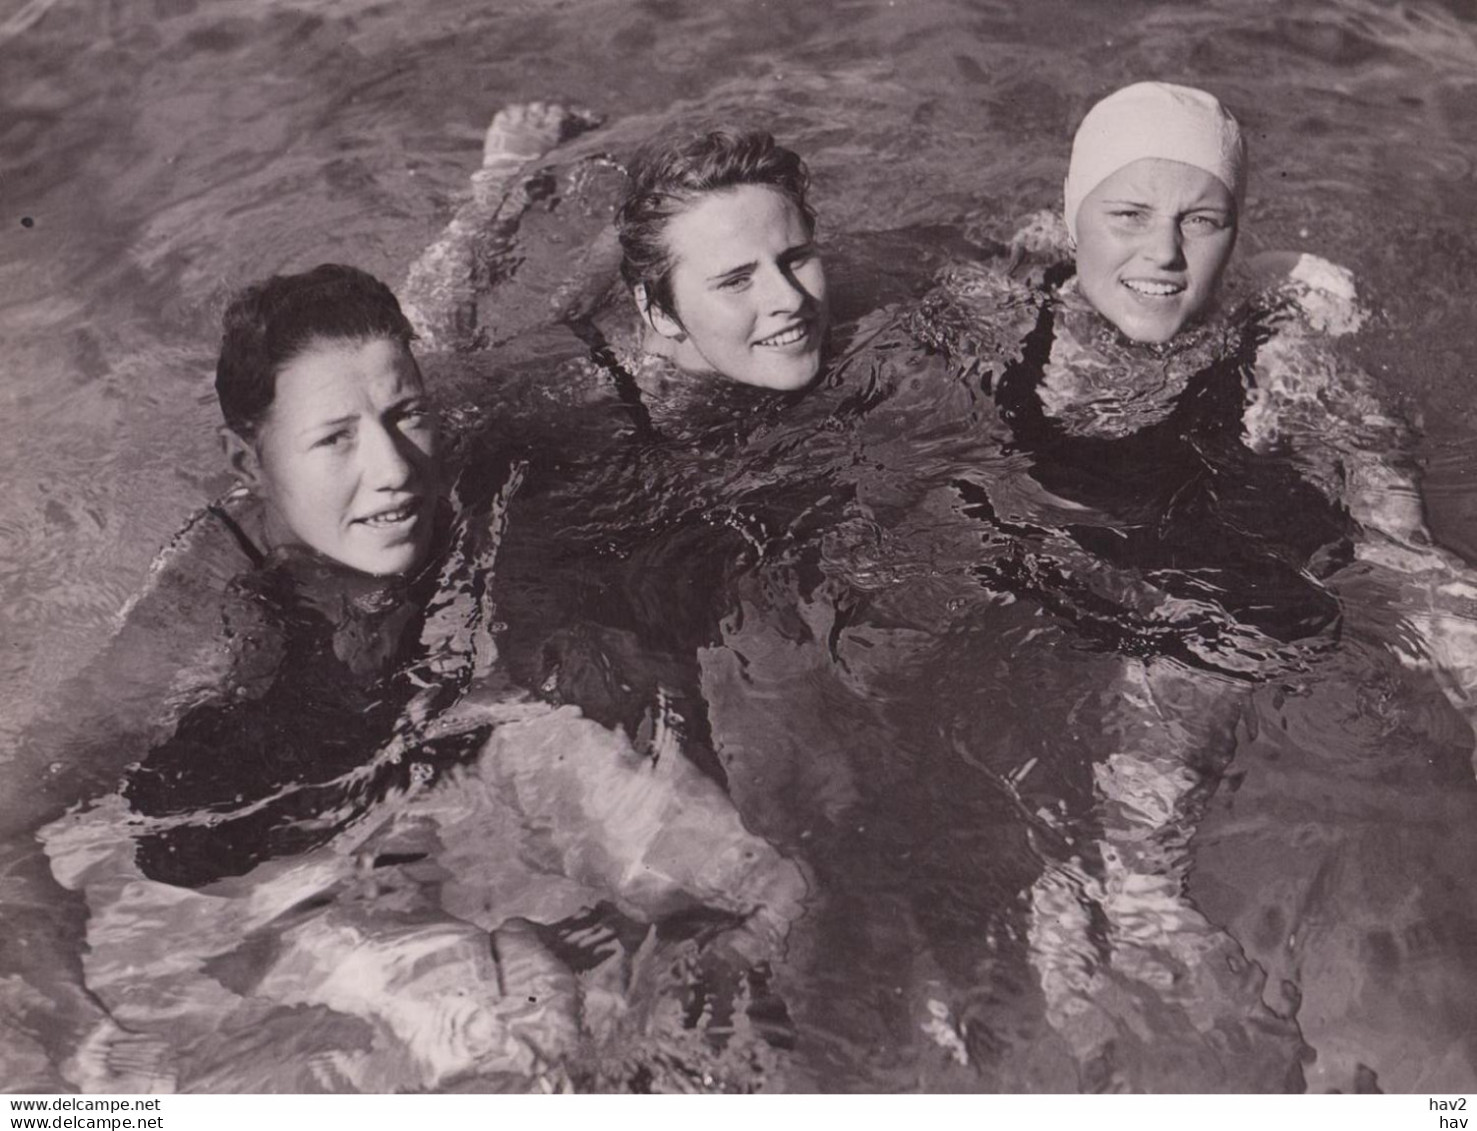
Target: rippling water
158, 154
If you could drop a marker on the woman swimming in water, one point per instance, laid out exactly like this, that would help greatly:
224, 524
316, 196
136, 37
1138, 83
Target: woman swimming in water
328, 424
1180, 486
716, 235
1401, 596
333, 437
711, 232
277, 641
1131, 355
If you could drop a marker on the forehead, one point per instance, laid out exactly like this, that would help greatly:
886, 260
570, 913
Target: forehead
336, 377
1157, 181
729, 227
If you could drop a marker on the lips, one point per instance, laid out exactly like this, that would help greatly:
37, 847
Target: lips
790, 336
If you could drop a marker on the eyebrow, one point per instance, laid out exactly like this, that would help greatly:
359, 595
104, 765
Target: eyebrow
732, 271
322, 425
1134, 203
808, 245
414, 396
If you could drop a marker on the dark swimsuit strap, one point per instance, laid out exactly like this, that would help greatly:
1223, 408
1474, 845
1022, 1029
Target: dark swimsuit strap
1016, 393
626, 387
248, 547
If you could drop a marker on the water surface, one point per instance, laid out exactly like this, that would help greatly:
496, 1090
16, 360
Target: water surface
157, 155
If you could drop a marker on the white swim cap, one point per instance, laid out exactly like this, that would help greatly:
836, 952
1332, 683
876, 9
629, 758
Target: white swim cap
1154, 119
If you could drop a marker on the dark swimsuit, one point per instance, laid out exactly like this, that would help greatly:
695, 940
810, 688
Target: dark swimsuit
1183, 502
277, 765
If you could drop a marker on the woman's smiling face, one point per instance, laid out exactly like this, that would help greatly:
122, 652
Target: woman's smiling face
748, 288
1152, 241
345, 459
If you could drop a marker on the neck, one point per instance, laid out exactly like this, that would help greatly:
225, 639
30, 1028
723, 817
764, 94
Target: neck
679, 351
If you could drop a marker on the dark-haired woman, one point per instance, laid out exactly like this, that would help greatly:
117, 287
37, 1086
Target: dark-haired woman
291, 598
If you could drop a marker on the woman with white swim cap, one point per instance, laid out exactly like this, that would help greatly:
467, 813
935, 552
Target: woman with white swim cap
1173, 484
1154, 195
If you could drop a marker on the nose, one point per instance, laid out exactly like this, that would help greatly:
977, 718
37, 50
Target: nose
1164, 245
780, 292
386, 457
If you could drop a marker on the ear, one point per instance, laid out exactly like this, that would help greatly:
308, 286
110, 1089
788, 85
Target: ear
241, 458
655, 317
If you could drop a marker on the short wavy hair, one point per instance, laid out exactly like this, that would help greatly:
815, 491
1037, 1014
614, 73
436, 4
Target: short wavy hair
269, 324
668, 174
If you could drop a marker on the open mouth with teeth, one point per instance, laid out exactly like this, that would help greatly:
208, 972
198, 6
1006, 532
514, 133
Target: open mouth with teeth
1153, 288
794, 335
396, 519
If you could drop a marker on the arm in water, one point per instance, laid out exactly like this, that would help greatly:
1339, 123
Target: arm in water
1331, 415
1327, 413
476, 252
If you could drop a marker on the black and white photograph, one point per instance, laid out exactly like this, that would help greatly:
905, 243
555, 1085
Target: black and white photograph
845, 547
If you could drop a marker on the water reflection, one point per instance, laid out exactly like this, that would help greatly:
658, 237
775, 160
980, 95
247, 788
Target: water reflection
928, 737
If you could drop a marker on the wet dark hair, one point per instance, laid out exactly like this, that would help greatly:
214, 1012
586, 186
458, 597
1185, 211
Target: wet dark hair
269, 324
669, 173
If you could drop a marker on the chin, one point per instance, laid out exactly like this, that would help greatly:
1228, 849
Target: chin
791, 383
1150, 330
785, 379
389, 563
396, 568
1149, 335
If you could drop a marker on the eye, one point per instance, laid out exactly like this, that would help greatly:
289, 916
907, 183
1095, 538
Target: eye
1206, 222
337, 439
734, 282
414, 417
